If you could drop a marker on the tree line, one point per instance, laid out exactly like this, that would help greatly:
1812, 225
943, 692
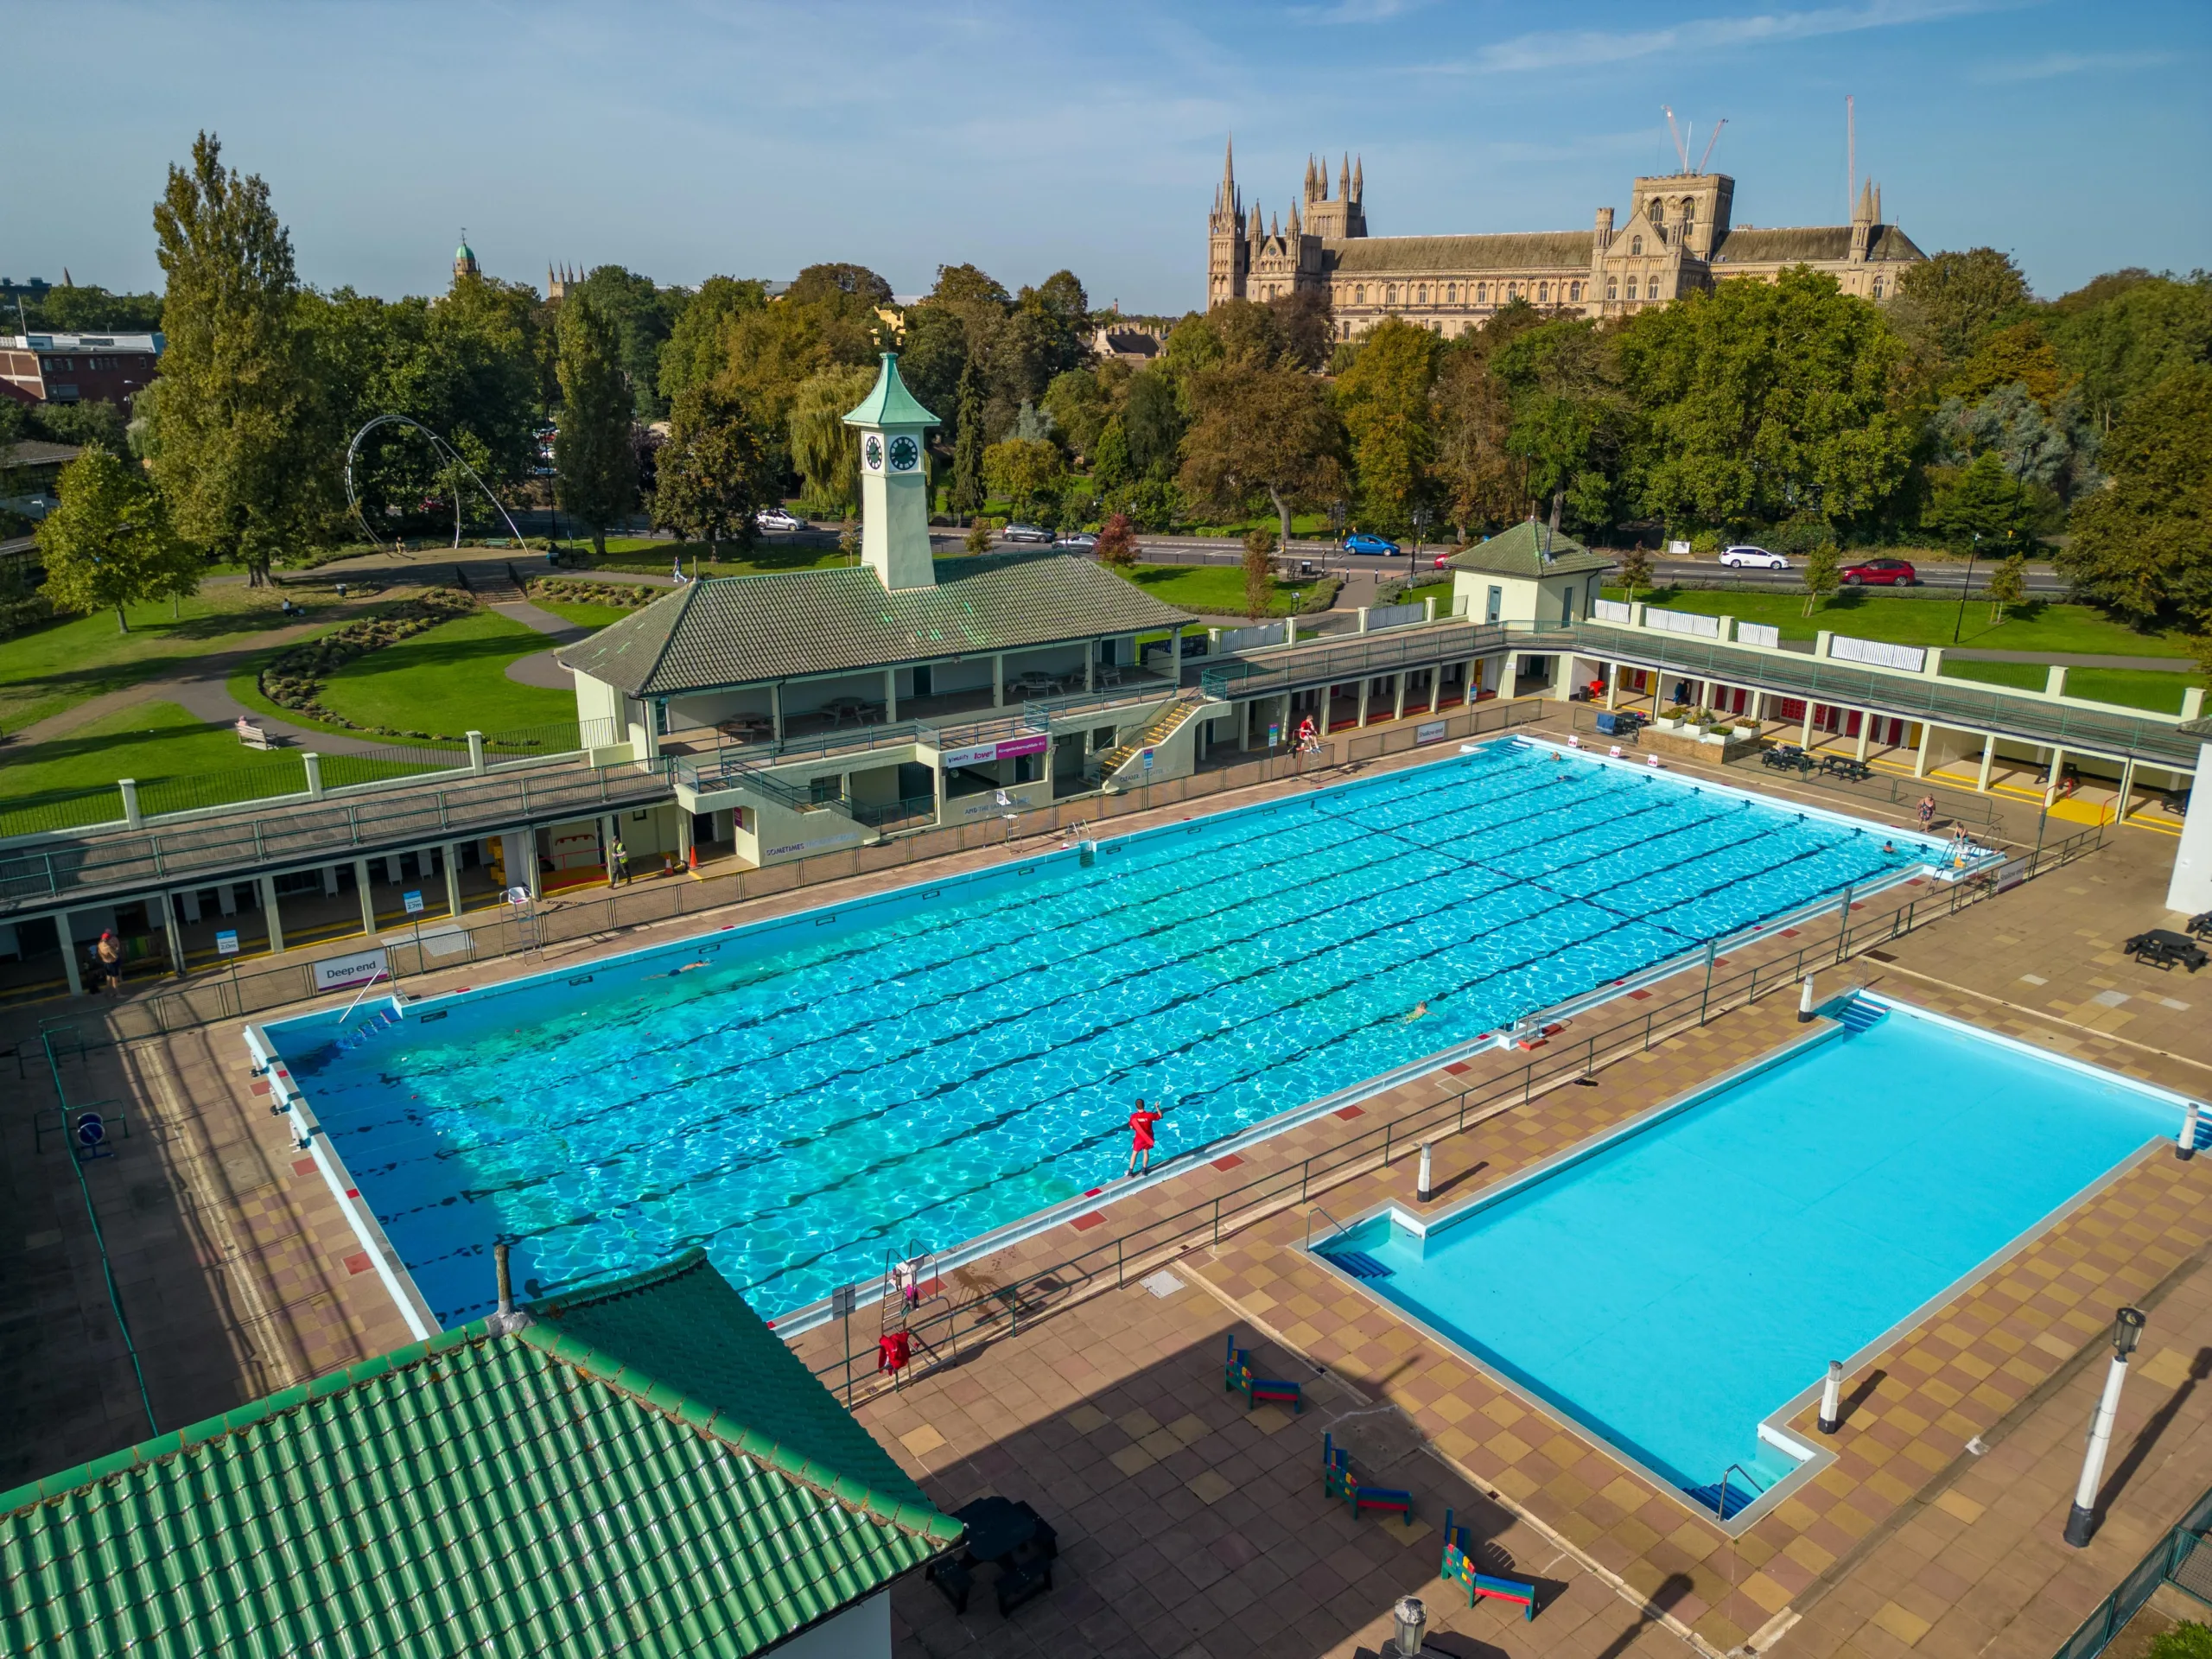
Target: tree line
1961, 411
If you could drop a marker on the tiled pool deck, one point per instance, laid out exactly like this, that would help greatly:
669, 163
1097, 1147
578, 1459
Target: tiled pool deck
1193, 1529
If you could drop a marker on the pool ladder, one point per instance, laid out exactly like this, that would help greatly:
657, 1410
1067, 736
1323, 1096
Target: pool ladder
1728, 1499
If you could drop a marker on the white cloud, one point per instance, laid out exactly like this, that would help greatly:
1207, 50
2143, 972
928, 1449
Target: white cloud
1571, 48
1356, 11
2052, 65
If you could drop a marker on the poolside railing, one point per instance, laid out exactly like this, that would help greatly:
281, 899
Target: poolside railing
2179, 1558
999, 1310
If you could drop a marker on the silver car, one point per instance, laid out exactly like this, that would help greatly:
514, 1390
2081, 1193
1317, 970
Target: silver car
1025, 533
778, 518
1081, 541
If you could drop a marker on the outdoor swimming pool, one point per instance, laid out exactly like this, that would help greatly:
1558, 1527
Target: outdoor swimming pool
1674, 1286
909, 1071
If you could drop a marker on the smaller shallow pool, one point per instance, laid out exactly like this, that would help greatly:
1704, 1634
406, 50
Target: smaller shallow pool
1673, 1287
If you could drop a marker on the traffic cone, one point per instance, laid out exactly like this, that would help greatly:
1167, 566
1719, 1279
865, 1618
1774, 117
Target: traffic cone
694, 858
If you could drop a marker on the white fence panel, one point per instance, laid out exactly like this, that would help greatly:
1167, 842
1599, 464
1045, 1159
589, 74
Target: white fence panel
1706, 627
1911, 658
1759, 633
1611, 610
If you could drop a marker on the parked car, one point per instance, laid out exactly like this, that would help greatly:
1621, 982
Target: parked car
1752, 558
1081, 541
1443, 561
778, 518
1360, 542
1881, 573
1025, 533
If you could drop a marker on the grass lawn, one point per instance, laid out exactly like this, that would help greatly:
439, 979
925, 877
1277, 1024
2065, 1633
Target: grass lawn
2132, 688
1896, 620
447, 680
179, 762
1208, 590
636, 556
54, 669
1439, 591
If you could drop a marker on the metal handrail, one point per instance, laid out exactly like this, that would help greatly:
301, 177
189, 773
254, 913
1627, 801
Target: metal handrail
359, 995
1284, 668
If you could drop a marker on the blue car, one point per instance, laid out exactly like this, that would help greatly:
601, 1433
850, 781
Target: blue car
1361, 542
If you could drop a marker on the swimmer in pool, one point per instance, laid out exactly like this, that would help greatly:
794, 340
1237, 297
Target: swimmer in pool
1420, 1012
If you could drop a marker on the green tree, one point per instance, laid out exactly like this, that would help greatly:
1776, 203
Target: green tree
1117, 542
1946, 307
1980, 505
245, 454
932, 359
1479, 481
696, 349
1022, 471
968, 447
1384, 401
2124, 333
1763, 403
710, 476
1078, 409
644, 316
1823, 576
109, 544
1110, 468
84, 308
1152, 421
1636, 568
1262, 432
1568, 417
2008, 585
1259, 565
980, 537
592, 450
825, 450
2143, 548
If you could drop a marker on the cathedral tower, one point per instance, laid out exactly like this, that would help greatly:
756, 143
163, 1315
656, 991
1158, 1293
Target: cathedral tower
1228, 251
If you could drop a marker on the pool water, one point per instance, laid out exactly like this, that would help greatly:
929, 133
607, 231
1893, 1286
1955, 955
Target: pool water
806, 1097
1674, 1287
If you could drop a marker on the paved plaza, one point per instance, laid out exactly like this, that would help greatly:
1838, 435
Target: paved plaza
1191, 1527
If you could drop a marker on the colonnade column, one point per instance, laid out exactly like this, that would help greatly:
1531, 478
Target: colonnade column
275, 923
1989, 757
368, 899
68, 953
1865, 730
173, 928
452, 855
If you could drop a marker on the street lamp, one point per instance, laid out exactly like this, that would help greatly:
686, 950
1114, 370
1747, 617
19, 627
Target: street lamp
2081, 1519
1959, 621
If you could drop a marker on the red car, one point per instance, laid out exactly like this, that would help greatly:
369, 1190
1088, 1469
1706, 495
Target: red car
1881, 573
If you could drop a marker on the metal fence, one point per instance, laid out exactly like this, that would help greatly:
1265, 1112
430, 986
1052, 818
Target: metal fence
2179, 1558
999, 1310
241, 990
1363, 656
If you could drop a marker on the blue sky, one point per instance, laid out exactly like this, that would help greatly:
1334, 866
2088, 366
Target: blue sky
698, 136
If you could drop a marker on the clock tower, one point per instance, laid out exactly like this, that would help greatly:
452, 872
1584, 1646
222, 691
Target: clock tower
894, 481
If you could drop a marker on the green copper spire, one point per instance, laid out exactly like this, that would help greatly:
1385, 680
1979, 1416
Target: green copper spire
889, 403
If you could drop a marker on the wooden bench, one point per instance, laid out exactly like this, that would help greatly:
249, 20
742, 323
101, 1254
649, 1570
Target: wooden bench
1237, 1375
251, 736
1460, 1569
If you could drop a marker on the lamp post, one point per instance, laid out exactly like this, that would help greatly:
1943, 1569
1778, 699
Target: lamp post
2081, 1519
1960, 620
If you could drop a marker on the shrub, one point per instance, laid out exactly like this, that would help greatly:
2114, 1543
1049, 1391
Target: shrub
295, 680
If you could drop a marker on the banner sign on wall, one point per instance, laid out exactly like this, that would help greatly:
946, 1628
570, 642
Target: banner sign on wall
1007, 749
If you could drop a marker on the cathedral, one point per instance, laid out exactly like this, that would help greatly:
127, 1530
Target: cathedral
1678, 237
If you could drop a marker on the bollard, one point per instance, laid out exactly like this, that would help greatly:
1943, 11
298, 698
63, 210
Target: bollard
1805, 1003
1832, 1397
2185, 1142
1424, 1189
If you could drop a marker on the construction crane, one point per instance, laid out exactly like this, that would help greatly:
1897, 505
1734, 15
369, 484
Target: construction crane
1710, 143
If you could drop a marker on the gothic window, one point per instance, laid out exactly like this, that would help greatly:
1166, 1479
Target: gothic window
1658, 211
1636, 244
1482, 293
1544, 293
1574, 293
1612, 288
1450, 293
1651, 288
1689, 210
1359, 294
1423, 297
1877, 288
1390, 294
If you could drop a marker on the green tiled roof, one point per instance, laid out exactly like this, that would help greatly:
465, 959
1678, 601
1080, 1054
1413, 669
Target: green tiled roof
744, 630
645, 1469
1520, 552
888, 402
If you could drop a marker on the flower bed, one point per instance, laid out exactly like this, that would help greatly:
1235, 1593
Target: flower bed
569, 590
295, 680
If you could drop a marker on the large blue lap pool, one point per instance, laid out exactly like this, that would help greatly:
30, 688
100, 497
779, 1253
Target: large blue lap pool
1673, 1287
897, 1075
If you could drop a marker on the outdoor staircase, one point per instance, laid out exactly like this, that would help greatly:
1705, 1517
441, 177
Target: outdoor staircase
1165, 725
1740, 1495
1859, 1014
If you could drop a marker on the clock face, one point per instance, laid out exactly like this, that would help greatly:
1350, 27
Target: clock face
872, 452
905, 452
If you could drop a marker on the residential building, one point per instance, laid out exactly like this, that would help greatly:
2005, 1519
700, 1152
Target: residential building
78, 368
1679, 237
